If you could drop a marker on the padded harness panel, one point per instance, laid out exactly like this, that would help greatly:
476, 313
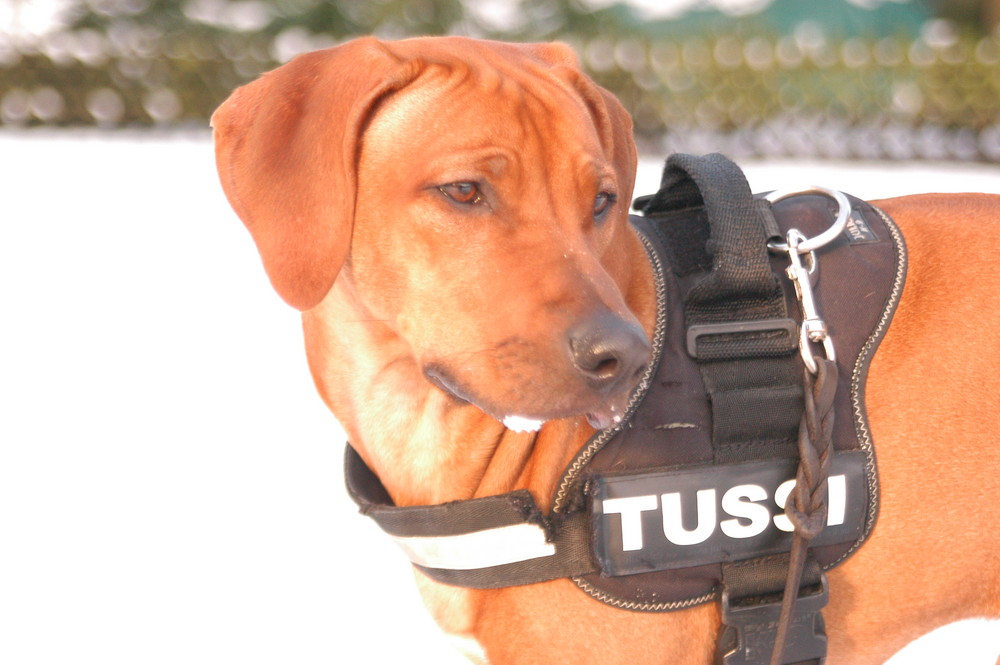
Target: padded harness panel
860, 280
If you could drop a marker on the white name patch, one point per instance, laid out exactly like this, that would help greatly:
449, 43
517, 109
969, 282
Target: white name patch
681, 518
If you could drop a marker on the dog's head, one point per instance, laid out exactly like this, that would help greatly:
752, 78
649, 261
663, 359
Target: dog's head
473, 195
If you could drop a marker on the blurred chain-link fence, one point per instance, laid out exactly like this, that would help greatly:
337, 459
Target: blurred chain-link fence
930, 95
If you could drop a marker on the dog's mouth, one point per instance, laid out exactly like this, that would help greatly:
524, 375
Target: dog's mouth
609, 413
601, 419
608, 416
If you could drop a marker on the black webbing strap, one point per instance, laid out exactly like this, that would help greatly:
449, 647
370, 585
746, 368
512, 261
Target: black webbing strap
740, 285
745, 346
433, 526
739, 330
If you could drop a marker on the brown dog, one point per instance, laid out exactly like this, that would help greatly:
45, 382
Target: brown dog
451, 217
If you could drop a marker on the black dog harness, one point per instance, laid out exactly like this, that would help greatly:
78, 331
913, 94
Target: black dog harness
744, 468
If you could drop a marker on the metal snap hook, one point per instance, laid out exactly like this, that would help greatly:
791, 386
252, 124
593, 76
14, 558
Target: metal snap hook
813, 329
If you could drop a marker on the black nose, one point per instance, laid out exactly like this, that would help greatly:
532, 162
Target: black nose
608, 351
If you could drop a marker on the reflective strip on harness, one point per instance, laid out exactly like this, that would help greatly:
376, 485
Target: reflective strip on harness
484, 543
479, 549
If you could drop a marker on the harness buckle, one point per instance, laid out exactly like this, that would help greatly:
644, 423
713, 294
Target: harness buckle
730, 328
750, 630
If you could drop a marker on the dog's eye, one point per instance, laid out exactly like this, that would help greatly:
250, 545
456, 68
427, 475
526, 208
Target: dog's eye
602, 202
462, 192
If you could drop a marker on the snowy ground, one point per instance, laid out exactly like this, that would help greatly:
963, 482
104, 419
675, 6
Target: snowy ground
170, 484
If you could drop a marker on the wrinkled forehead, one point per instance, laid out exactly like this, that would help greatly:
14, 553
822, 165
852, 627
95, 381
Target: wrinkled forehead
474, 104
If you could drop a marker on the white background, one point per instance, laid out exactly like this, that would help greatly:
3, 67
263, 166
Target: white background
170, 484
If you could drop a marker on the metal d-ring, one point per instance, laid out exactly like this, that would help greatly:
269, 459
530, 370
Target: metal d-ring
810, 244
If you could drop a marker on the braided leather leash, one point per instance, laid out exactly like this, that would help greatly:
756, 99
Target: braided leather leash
807, 508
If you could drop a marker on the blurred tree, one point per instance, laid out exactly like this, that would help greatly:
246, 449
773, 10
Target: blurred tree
338, 18
349, 17
559, 19
860, 72
98, 14
982, 16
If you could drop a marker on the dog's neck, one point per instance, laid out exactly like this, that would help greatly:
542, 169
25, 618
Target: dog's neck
425, 445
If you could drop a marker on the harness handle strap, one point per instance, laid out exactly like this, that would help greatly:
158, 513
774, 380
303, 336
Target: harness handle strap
738, 230
717, 233
485, 543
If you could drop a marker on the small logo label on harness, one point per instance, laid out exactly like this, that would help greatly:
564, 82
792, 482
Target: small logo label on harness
677, 519
857, 229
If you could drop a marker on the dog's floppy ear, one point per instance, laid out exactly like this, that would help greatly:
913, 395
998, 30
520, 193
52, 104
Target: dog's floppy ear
286, 148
